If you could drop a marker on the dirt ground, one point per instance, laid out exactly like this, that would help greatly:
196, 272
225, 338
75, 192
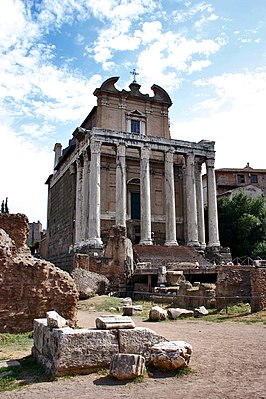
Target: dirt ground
228, 361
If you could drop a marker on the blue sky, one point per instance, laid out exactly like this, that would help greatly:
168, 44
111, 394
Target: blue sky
210, 57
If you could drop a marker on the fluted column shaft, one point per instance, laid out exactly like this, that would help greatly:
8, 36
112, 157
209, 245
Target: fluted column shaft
121, 185
192, 226
78, 217
170, 216
145, 223
85, 195
200, 205
212, 205
94, 233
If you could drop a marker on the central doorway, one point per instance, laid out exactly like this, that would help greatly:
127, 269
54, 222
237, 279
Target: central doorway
135, 206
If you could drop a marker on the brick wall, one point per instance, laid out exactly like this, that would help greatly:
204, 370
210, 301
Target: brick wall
258, 288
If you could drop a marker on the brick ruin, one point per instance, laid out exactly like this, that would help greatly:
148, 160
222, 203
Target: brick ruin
29, 287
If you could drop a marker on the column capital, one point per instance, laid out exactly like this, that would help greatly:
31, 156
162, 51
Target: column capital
210, 162
121, 150
169, 154
95, 147
85, 155
145, 152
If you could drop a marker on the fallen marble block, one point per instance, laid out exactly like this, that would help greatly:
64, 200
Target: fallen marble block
157, 313
200, 311
174, 313
125, 366
138, 341
54, 320
171, 355
110, 322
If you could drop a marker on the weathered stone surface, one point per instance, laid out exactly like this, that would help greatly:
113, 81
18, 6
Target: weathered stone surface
69, 351
174, 313
128, 310
127, 366
109, 322
258, 288
30, 287
139, 340
17, 227
54, 320
171, 355
200, 311
89, 284
233, 285
127, 301
157, 313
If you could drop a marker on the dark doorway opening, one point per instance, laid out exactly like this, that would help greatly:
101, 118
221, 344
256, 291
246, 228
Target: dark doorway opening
135, 206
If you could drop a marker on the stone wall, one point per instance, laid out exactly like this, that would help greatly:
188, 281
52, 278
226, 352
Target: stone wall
258, 288
61, 218
233, 285
29, 287
17, 227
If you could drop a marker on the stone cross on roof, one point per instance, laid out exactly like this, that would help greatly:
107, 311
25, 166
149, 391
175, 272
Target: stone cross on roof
134, 73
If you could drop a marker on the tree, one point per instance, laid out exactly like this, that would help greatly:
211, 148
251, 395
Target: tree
242, 225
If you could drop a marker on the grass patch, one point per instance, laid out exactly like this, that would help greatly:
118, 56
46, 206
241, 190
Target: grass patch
29, 372
101, 303
16, 341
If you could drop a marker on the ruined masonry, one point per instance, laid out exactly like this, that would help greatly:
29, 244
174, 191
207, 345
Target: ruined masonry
29, 287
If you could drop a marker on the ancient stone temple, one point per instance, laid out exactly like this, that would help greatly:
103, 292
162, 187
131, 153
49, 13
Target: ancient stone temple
121, 168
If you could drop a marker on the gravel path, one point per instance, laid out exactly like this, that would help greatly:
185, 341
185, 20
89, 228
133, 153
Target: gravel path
229, 361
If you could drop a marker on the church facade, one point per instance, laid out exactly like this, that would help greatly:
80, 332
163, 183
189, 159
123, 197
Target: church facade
121, 168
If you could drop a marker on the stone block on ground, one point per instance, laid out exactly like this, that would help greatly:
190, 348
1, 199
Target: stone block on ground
9, 363
54, 320
139, 341
174, 313
157, 313
128, 310
109, 322
127, 301
200, 311
126, 366
171, 355
72, 351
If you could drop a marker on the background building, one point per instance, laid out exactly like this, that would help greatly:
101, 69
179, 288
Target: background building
230, 181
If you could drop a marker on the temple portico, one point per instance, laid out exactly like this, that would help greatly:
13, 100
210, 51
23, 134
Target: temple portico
88, 182
122, 169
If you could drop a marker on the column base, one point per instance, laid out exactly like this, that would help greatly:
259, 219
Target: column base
214, 245
146, 242
193, 244
171, 243
95, 242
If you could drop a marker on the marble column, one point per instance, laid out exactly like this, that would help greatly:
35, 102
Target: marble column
170, 217
192, 226
94, 232
85, 195
145, 197
121, 185
200, 205
78, 217
212, 205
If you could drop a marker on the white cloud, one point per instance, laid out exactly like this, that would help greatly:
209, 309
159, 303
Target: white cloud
234, 118
24, 172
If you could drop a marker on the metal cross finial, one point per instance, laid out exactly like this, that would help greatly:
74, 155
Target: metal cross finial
134, 73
